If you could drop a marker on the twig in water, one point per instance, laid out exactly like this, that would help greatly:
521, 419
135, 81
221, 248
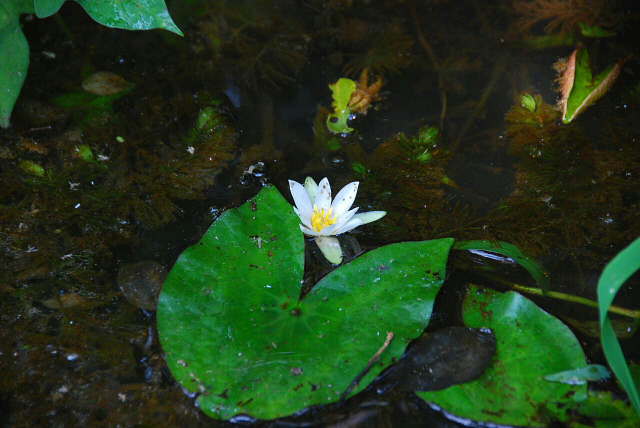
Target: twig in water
369, 364
436, 66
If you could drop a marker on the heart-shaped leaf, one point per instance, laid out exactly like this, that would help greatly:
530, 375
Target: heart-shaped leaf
579, 88
530, 344
234, 331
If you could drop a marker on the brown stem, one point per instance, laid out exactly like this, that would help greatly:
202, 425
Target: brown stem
436, 66
368, 367
497, 72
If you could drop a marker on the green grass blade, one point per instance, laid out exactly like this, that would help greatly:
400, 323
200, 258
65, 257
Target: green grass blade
614, 275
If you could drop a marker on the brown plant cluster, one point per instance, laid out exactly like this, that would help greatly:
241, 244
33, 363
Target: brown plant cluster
561, 16
568, 189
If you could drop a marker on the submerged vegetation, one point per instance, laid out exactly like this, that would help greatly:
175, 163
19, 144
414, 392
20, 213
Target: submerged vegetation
461, 144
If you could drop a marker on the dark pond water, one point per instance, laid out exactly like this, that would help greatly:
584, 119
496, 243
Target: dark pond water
87, 241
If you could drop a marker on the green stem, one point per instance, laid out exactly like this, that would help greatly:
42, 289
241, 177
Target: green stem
571, 298
63, 26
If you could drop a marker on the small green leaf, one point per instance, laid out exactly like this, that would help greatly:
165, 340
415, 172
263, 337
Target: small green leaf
341, 93
614, 275
84, 152
46, 8
581, 375
530, 344
528, 102
15, 55
548, 41
359, 169
31, 168
332, 144
234, 330
594, 31
539, 273
131, 14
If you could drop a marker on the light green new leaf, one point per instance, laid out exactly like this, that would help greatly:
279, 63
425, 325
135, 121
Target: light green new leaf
14, 55
581, 375
234, 331
131, 14
45, 8
614, 275
341, 93
530, 344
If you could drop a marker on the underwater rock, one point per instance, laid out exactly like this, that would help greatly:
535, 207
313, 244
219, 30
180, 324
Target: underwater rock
68, 300
104, 83
39, 114
141, 283
444, 358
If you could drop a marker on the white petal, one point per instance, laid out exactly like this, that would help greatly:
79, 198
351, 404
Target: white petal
339, 223
370, 216
345, 197
323, 197
305, 220
351, 224
330, 247
312, 188
301, 199
308, 231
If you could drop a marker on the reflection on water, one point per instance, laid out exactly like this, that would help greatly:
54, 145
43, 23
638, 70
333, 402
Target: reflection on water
93, 185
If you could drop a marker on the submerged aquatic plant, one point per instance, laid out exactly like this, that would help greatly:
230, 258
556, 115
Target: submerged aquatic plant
324, 219
562, 16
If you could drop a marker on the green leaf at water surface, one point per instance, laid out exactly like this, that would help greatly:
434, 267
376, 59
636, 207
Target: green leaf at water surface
613, 277
45, 8
539, 273
530, 344
581, 375
131, 14
14, 55
579, 88
233, 329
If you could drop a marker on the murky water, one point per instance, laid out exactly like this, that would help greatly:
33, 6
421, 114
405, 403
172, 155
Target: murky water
76, 349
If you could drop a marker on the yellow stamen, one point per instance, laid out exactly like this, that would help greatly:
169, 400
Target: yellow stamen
320, 220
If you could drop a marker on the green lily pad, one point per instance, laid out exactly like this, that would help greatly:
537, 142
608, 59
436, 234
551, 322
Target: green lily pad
234, 331
579, 88
15, 55
131, 14
530, 344
45, 8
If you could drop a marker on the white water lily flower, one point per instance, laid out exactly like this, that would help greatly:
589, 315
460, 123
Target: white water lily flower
324, 219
